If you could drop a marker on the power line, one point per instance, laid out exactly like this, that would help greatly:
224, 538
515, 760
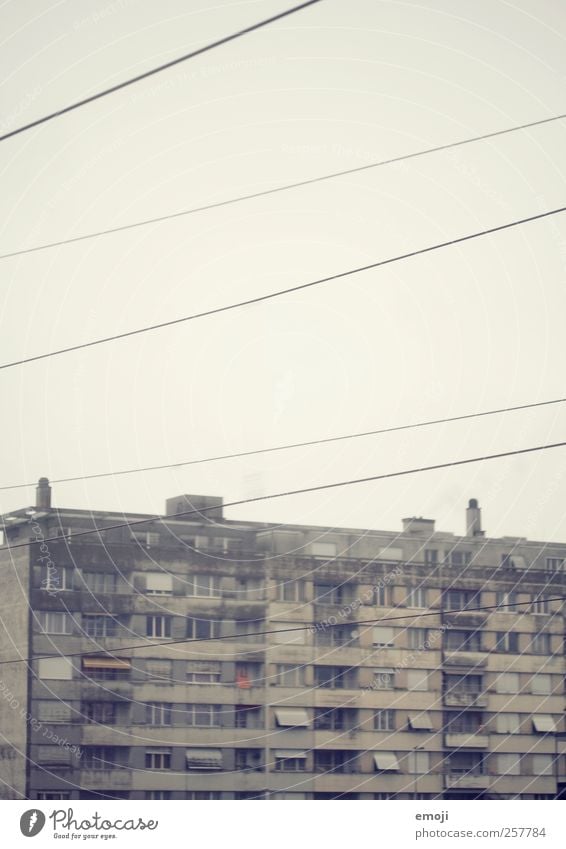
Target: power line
291, 445
257, 498
276, 189
315, 626
225, 40
292, 289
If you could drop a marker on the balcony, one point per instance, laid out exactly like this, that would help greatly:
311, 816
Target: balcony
464, 699
466, 781
107, 779
473, 659
465, 618
467, 741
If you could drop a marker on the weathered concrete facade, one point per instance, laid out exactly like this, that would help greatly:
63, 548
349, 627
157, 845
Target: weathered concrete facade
440, 701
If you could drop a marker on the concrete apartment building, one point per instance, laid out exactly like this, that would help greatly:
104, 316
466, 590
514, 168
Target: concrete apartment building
447, 702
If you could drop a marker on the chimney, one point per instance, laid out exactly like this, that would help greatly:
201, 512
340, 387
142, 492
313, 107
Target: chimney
43, 494
473, 519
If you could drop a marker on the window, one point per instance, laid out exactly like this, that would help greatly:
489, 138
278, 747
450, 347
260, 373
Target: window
542, 764
540, 605
470, 763
466, 722
418, 763
100, 582
459, 640
431, 557
335, 760
248, 760
337, 635
53, 711
158, 626
158, 583
335, 719
204, 716
290, 760
248, 716
100, 713
507, 723
202, 629
47, 794
56, 578
158, 713
99, 626
203, 759
334, 677
509, 764
507, 682
471, 684
250, 589
507, 641
540, 644
383, 679
54, 623
159, 670
251, 630
158, 758
383, 637
293, 591
417, 597
248, 675
55, 668
417, 679
554, 564
458, 558
541, 685
106, 668
202, 795
505, 599
291, 717
386, 762
462, 599
203, 586
157, 795
203, 671
418, 638
383, 595
384, 720
103, 757
327, 593
288, 675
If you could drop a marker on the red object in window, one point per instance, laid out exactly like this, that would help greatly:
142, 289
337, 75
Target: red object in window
242, 681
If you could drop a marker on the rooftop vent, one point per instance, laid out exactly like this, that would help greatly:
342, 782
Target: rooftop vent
473, 519
43, 494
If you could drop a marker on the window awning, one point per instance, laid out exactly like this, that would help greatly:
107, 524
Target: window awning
386, 761
105, 663
420, 722
290, 753
204, 758
544, 722
292, 717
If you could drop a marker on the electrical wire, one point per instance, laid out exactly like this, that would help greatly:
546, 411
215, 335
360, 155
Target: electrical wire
276, 189
291, 290
132, 80
288, 446
320, 626
257, 498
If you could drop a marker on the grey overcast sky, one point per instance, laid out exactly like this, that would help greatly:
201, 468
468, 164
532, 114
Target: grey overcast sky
342, 83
